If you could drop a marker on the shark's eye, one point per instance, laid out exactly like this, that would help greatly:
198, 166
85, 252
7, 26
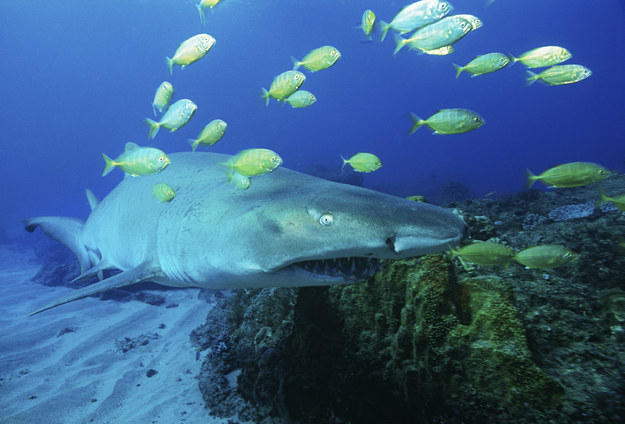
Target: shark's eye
326, 219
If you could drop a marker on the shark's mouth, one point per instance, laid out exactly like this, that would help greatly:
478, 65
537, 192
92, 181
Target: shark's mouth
352, 268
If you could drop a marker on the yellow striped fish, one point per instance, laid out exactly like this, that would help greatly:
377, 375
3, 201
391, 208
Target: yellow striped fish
253, 162
284, 85
138, 160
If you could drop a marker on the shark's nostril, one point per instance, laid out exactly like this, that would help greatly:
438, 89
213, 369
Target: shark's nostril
390, 242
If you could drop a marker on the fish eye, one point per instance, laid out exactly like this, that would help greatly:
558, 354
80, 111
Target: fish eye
326, 219
160, 158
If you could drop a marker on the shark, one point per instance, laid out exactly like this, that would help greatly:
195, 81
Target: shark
288, 229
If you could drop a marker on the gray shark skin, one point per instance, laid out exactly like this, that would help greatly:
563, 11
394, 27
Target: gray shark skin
288, 229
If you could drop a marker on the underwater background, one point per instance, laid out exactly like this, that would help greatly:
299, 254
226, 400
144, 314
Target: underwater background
431, 339
79, 78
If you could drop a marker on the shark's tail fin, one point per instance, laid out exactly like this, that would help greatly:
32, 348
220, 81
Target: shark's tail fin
64, 230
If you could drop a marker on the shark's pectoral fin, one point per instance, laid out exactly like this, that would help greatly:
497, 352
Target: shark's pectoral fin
126, 278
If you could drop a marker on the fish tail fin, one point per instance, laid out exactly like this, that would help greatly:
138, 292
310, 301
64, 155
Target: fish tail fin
110, 165
384, 27
345, 162
602, 197
227, 165
531, 179
416, 123
201, 12
154, 127
265, 95
400, 43
66, 231
193, 143
296, 63
511, 57
170, 63
459, 69
531, 78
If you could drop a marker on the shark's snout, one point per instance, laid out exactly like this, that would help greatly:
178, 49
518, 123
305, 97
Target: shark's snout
439, 235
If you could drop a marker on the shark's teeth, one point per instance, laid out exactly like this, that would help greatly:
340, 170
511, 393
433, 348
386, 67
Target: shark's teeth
352, 268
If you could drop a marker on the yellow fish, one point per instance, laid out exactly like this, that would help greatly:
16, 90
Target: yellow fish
138, 160
163, 192
619, 201
203, 4
211, 134
253, 162
560, 74
546, 256
301, 98
417, 198
284, 85
191, 50
484, 64
542, 57
573, 174
318, 59
368, 22
363, 162
162, 97
241, 181
449, 121
486, 253
177, 116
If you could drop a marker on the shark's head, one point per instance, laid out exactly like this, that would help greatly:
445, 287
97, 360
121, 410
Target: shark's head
307, 231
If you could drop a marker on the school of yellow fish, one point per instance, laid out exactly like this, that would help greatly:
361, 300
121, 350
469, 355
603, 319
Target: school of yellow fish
424, 26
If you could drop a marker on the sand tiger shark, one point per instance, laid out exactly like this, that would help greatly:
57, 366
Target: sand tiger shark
288, 229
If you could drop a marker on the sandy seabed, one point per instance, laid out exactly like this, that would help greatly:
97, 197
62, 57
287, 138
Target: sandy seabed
66, 365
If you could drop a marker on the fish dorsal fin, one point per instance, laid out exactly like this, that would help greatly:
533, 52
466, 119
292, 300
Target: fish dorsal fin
93, 201
131, 146
126, 278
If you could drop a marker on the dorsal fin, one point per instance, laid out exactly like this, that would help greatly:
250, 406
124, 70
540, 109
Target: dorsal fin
93, 201
131, 146
126, 278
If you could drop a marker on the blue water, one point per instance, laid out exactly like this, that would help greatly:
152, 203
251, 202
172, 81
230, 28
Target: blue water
78, 78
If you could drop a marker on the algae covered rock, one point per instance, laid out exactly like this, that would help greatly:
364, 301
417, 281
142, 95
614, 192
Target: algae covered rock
409, 345
500, 375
